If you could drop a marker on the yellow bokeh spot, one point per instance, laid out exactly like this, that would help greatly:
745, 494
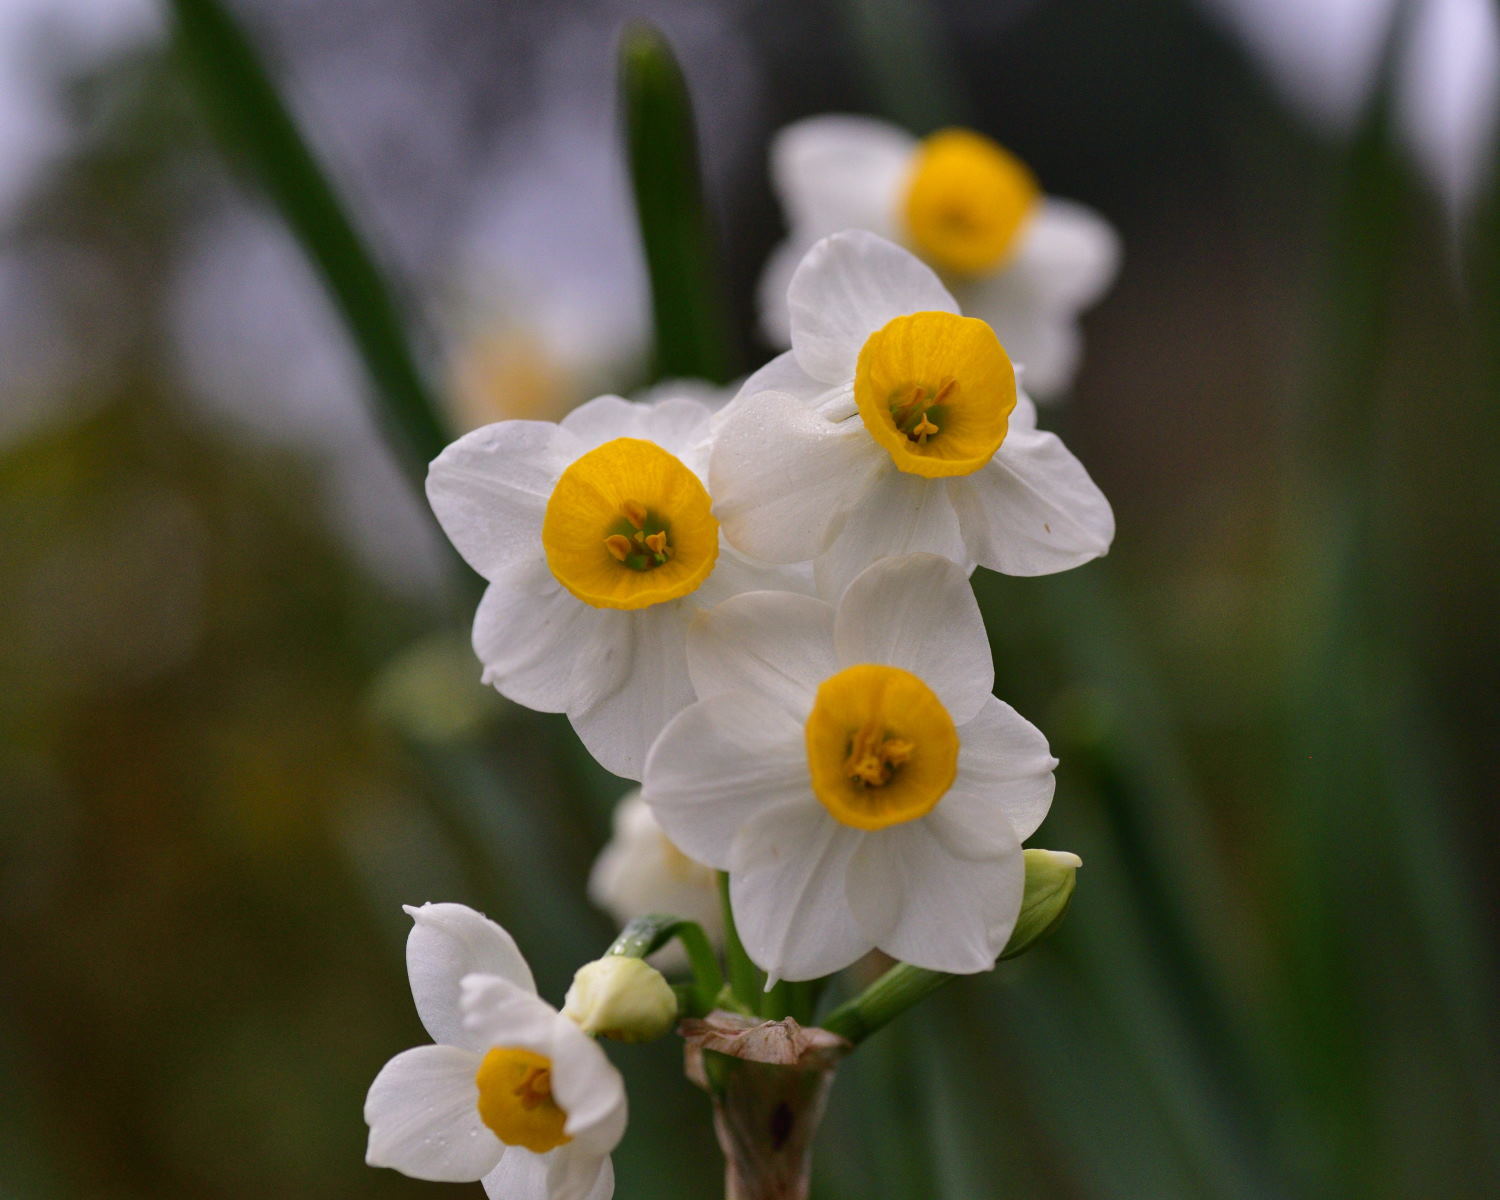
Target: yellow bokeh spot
515, 1099
881, 748
628, 526
936, 390
967, 200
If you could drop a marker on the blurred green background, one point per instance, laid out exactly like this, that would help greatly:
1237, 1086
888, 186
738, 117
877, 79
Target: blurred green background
240, 724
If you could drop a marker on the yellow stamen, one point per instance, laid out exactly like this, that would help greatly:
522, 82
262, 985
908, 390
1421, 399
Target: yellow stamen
635, 512
967, 200
874, 757
881, 748
657, 542
619, 546
515, 1099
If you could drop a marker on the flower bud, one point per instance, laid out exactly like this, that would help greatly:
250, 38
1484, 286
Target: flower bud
1050, 878
622, 998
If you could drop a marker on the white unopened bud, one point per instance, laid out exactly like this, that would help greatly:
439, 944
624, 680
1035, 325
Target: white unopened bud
622, 998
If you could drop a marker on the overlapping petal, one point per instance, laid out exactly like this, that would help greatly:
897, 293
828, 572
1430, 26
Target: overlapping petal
848, 286
650, 648
447, 942
575, 1174
545, 648
519, 1175
1004, 768
777, 645
918, 902
587, 1087
423, 1115
719, 763
489, 490
841, 172
899, 514
677, 423
783, 477
787, 873
1033, 510
497, 1012
919, 613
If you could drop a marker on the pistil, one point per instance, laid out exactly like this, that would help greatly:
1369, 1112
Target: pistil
875, 757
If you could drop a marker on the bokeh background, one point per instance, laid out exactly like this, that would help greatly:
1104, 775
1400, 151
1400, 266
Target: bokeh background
240, 723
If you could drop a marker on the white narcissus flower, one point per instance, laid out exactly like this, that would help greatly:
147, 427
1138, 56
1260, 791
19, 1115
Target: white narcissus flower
512, 1093
852, 772
894, 424
640, 870
1024, 262
598, 541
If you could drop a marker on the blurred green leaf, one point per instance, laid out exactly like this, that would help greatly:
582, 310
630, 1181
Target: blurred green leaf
254, 121
692, 326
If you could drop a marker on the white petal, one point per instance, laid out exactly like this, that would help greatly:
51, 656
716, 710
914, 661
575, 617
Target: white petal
919, 613
679, 424
925, 906
1004, 777
848, 286
736, 573
716, 765
787, 876
842, 172
784, 374
778, 645
497, 1012
640, 871
619, 728
1023, 416
900, 514
489, 491
1032, 509
1069, 255
587, 1087
523, 1175
423, 1115
519, 1175
1043, 343
543, 647
770, 291
676, 423
575, 1174
447, 942
1449, 91
783, 477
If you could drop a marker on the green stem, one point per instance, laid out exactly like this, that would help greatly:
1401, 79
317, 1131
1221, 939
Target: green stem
744, 977
884, 1000
648, 934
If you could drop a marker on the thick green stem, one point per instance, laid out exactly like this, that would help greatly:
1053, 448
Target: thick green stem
744, 978
884, 1000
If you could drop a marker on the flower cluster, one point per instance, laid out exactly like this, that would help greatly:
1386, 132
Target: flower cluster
762, 613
